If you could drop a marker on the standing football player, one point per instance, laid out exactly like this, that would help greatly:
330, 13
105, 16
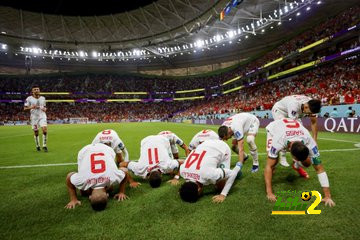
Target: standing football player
97, 172
208, 164
237, 127
289, 134
111, 137
296, 107
202, 136
37, 106
174, 139
155, 159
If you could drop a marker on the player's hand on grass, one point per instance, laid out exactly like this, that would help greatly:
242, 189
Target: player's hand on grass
271, 197
328, 202
174, 181
72, 204
134, 184
218, 198
121, 196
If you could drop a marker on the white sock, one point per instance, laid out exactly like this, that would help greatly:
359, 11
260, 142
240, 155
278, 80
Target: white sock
44, 140
255, 157
37, 141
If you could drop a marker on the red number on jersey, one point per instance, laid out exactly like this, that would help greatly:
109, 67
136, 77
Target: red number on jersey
206, 131
95, 162
195, 157
269, 143
290, 123
106, 132
150, 156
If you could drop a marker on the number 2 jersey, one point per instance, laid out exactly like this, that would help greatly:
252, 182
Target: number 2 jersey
208, 163
202, 136
281, 132
155, 154
96, 168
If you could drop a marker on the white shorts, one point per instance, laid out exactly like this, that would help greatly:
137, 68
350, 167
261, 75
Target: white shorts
278, 114
37, 123
254, 127
174, 149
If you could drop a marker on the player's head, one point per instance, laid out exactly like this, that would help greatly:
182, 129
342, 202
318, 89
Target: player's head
224, 132
300, 152
155, 179
312, 106
190, 191
98, 199
35, 90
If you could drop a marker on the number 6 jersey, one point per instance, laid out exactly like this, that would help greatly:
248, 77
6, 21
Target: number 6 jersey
96, 168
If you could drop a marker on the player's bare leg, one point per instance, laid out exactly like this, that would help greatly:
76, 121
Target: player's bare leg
44, 130
250, 139
36, 138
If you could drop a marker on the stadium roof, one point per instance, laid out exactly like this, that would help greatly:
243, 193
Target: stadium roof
162, 23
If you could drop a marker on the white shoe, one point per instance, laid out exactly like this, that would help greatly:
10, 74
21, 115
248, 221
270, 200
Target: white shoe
284, 163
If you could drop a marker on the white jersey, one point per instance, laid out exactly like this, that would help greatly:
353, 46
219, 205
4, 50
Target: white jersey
110, 136
208, 163
155, 154
281, 132
289, 107
172, 137
96, 168
40, 102
202, 136
241, 124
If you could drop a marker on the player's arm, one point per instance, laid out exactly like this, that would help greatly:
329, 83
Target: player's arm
121, 196
72, 193
119, 157
175, 180
240, 145
268, 173
314, 127
324, 181
185, 147
132, 182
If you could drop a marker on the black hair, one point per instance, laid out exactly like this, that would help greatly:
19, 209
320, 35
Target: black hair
155, 179
223, 132
299, 151
315, 105
35, 86
189, 192
98, 205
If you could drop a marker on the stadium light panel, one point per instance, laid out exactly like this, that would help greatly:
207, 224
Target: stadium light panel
217, 38
263, 30
94, 54
319, 2
246, 36
279, 23
308, 8
4, 46
81, 54
290, 19
298, 14
230, 34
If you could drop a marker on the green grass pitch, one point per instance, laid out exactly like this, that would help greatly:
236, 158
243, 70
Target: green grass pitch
33, 199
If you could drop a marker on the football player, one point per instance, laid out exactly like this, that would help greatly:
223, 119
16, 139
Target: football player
111, 137
174, 139
97, 172
202, 136
289, 134
37, 106
155, 159
296, 107
208, 164
237, 127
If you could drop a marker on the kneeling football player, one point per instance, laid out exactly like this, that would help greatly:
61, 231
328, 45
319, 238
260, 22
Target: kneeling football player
175, 140
97, 172
289, 134
112, 139
201, 137
208, 164
155, 159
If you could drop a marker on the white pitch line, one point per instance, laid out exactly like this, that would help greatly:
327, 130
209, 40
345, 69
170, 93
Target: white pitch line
233, 155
